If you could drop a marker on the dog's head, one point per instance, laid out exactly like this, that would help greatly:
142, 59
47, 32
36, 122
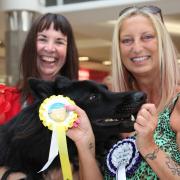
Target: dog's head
108, 111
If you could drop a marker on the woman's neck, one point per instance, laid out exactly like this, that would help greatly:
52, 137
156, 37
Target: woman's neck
151, 88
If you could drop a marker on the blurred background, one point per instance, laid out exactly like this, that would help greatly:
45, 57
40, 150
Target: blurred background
92, 22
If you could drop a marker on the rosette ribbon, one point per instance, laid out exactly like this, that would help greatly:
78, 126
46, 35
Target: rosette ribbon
56, 118
123, 158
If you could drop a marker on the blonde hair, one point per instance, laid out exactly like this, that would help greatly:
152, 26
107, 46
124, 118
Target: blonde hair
168, 66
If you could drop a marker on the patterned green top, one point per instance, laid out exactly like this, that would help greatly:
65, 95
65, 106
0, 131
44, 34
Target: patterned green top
165, 138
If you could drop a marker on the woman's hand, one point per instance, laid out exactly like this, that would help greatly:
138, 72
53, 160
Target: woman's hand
145, 125
81, 133
83, 137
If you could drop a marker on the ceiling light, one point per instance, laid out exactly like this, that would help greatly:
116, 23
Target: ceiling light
107, 63
83, 58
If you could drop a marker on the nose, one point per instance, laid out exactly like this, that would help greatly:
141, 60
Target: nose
49, 47
140, 96
137, 47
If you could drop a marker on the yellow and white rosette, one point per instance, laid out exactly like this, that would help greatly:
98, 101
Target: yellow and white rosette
55, 117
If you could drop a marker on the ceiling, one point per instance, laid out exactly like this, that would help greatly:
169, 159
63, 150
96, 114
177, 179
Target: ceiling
93, 32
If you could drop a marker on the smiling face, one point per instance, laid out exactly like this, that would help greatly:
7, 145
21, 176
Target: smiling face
139, 45
51, 52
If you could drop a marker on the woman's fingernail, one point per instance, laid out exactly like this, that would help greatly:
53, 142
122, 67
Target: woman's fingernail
78, 121
75, 124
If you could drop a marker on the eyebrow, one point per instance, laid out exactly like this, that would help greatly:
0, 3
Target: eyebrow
59, 38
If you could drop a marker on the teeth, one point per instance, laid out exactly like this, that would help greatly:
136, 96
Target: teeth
138, 59
49, 59
110, 120
132, 118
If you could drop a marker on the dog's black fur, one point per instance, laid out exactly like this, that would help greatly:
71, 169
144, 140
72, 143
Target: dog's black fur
24, 141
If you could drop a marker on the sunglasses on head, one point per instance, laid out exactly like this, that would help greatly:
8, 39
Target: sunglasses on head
151, 9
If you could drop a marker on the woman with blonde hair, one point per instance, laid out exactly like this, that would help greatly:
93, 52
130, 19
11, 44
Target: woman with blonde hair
144, 58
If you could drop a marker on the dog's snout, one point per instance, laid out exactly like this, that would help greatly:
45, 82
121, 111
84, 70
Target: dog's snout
140, 96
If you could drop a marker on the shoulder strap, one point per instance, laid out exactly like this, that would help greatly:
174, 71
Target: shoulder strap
173, 103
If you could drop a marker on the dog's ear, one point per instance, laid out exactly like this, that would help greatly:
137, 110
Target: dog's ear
62, 82
40, 89
105, 86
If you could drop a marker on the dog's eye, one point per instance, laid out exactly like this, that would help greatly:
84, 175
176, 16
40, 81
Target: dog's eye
92, 97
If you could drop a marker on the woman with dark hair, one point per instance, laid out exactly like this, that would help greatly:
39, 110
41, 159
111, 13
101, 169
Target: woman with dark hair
30, 52
50, 50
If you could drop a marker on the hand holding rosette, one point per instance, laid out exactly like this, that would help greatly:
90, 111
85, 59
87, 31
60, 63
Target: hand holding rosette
55, 117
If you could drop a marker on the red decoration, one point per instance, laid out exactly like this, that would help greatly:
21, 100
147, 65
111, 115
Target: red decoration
9, 97
92, 74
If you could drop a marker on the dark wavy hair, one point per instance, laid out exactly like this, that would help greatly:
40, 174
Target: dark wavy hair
28, 65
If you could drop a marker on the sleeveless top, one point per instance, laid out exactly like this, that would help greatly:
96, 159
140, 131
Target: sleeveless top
165, 138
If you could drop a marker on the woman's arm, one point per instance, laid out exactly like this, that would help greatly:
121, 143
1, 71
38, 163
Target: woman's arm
12, 176
2, 171
160, 162
88, 166
84, 139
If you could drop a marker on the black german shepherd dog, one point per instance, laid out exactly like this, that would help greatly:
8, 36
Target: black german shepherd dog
25, 142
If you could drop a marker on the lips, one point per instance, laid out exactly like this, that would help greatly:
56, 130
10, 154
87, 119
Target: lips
48, 59
140, 59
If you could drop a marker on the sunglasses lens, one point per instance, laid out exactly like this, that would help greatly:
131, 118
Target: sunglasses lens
150, 9
153, 10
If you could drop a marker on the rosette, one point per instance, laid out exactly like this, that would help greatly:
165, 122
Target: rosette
55, 117
123, 158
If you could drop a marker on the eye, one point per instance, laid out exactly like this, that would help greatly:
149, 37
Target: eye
61, 42
127, 41
147, 37
92, 97
41, 39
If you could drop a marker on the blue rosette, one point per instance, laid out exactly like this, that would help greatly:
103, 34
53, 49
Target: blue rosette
123, 153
